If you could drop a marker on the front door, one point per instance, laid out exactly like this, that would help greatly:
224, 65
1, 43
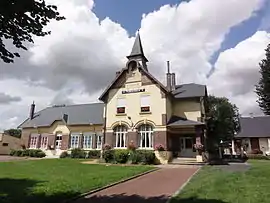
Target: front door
58, 143
186, 145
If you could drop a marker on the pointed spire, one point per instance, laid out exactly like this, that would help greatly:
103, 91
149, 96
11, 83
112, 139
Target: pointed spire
137, 49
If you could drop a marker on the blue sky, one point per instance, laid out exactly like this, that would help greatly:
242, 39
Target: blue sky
129, 13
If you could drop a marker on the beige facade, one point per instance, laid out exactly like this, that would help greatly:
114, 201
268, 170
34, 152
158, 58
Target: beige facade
7, 143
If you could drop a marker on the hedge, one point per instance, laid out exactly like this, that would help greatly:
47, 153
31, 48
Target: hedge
258, 156
133, 156
28, 153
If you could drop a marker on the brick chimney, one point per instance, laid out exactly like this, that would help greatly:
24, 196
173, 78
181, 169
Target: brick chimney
32, 111
169, 77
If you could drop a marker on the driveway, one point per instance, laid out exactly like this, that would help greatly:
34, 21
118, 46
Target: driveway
156, 187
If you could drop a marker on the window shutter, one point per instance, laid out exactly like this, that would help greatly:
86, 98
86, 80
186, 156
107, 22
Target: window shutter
145, 100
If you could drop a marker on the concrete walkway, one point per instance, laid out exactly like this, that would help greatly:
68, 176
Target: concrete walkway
156, 187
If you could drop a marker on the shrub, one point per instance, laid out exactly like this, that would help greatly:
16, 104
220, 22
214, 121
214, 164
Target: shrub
40, 154
121, 156
12, 152
147, 156
18, 153
94, 154
64, 155
34, 152
135, 157
77, 153
108, 156
159, 147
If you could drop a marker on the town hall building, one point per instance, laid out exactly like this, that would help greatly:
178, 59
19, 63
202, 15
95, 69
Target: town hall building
135, 108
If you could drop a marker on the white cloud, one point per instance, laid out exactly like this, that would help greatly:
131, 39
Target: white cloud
237, 72
79, 59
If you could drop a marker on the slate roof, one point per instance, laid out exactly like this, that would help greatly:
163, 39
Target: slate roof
179, 121
189, 90
254, 127
137, 49
81, 114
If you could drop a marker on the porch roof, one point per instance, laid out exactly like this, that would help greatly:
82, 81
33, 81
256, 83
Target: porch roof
180, 121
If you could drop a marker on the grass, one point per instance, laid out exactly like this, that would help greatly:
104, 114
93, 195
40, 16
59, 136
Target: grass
54, 180
212, 185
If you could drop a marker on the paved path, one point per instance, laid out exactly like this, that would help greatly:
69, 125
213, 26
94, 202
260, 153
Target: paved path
156, 187
5, 158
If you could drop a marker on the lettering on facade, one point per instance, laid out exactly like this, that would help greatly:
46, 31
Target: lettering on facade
132, 91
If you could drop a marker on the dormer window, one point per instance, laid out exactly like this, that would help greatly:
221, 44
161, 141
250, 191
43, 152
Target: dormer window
145, 103
121, 106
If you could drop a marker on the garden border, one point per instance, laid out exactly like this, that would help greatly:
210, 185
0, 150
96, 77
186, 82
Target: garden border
110, 185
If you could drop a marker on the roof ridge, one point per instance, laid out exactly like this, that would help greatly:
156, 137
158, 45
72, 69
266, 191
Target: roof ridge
71, 105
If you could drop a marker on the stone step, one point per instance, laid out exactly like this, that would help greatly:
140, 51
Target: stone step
185, 161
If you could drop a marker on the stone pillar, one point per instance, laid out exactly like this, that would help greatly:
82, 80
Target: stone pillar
81, 141
133, 137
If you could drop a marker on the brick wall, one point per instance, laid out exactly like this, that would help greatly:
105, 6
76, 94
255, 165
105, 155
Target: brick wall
160, 137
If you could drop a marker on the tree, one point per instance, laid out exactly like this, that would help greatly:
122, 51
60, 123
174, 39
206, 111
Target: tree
223, 119
13, 132
263, 87
20, 20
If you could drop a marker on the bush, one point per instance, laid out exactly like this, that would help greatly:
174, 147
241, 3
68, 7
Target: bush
107, 147
18, 153
131, 146
147, 156
108, 156
34, 152
94, 154
77, 153
135, 157
121, 156
64, 155
40, 154
12, 152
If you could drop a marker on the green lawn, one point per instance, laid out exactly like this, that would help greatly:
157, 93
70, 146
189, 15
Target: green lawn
211, 185
54, 180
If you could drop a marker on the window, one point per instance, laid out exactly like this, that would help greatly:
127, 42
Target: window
120, 135
74, 140
5, 144
146, 136
87, 141
44, 142
145, 103
99, 141
121, 105
33, 142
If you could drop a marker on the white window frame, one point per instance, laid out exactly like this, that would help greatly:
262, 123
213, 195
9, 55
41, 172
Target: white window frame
33, 142
121, 103
145, 102
87, 137
120, 133
76, 142
98, 141
146, 131
59, 141
44, 142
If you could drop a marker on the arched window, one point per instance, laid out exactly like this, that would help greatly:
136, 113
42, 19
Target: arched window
120, 136
146, 136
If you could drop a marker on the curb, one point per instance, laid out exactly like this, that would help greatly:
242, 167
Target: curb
182, 187
108, 186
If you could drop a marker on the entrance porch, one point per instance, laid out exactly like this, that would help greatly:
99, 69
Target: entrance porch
183, 137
